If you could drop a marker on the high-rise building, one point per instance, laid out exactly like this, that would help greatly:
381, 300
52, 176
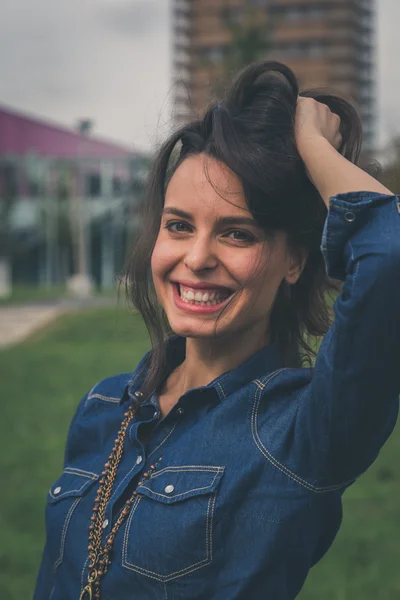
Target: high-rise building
327, 43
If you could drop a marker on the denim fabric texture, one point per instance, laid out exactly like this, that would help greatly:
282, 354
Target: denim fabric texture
252, 467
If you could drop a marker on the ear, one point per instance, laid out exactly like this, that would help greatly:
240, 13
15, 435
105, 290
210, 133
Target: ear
296, 264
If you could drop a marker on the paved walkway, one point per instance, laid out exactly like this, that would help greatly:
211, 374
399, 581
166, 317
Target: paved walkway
19, 322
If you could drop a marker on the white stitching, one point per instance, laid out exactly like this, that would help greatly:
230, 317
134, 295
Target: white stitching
207, 487
167, 578
211, 526
69, 491
70, 471
81, 472
275, 462
222, 390
189, 468
164, 440
83, 572
64, 533
182, 572
263, 382
259, 384
104, 398
134, 466
127, 529
208, 528
121, 482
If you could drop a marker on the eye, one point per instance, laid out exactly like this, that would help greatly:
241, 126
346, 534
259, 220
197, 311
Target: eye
177, 227
238, 235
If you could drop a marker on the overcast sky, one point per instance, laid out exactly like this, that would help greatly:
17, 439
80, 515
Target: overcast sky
110, 60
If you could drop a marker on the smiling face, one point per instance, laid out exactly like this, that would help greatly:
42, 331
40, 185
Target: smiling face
214, 269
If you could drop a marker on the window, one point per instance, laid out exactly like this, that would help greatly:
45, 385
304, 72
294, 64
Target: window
232, 14
293, 14
316, 12
117, 186
9, 187
34, 189
215, 54
316, 49
93, 185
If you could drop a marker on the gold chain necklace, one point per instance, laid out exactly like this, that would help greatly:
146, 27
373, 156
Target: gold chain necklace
99, 557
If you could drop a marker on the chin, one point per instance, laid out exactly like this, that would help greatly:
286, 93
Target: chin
196, 332
202, 329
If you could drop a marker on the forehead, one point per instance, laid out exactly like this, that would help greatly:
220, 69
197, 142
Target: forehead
202, 183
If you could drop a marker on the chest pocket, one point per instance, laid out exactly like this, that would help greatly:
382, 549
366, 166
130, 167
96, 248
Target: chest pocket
63, 501
170, 529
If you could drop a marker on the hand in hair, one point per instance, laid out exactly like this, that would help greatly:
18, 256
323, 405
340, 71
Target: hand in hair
318, 138
315, 120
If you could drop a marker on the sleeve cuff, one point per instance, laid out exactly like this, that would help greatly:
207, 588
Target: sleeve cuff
346, 214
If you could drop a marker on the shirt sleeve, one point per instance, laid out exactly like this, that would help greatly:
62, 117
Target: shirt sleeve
350, 407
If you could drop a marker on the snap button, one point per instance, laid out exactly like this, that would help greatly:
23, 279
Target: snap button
139, 460
105, 523
180, 412
57, 490
169, 489
350, 216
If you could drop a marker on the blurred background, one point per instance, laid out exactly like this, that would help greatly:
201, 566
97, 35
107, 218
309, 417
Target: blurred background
88, 90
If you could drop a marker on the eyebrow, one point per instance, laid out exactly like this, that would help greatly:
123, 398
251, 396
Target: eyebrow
220, 220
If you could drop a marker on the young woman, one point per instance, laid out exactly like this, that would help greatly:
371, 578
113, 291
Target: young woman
215, 470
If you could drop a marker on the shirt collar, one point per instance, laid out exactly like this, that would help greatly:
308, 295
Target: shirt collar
260, 364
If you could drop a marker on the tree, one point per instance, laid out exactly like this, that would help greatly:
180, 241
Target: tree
249, 34
390, 172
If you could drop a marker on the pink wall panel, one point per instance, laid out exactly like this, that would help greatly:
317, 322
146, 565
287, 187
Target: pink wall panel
20, 135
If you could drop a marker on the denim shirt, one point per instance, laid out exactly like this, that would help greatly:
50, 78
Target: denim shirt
251, 468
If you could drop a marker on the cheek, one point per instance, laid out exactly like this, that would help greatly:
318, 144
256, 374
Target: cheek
164, 257
250, 269
260, 273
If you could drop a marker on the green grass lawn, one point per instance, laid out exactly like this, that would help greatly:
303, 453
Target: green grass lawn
42, 381
26, 294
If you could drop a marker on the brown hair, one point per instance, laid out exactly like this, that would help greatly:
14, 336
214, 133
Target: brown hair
252, 132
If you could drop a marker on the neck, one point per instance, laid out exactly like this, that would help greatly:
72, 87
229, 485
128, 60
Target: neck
207, 359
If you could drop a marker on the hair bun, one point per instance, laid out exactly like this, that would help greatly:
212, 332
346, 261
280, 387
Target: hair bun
261, 81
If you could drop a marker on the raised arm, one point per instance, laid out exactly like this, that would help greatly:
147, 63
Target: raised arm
317, 137
350, 408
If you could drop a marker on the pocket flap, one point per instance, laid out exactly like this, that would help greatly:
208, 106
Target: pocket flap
173, 484
73, 482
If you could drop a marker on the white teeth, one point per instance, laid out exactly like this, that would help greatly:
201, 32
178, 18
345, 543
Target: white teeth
200, 298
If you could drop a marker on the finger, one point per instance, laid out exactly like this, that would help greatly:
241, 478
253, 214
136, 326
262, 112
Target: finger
338, 141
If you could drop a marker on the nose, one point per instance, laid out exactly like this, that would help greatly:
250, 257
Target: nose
201, 256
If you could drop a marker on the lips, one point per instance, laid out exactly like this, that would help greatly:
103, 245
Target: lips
200, 299
207, 295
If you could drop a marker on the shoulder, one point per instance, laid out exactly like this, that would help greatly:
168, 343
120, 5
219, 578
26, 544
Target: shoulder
104, 396
283, 383
110, 389
276, 401
274, 423
99, 412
